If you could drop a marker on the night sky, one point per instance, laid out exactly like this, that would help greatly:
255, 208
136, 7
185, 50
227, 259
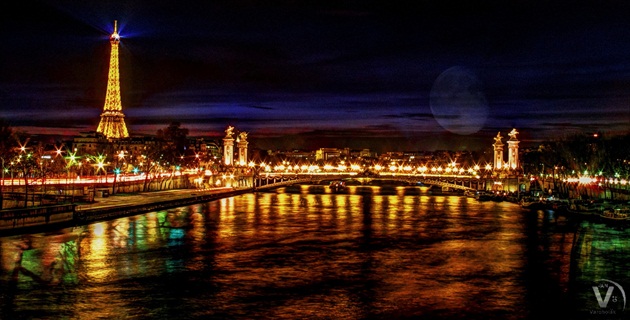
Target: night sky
307, 74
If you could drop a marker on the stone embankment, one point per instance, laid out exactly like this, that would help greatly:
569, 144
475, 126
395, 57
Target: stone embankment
130, 204
42, 219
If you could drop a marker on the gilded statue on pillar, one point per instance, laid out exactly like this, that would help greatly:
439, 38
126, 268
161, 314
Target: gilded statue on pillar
498, 138
513, 134
229, 131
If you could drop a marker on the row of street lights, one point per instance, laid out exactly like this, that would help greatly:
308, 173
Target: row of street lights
342, 167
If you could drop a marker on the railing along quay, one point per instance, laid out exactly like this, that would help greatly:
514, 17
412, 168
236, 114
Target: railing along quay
34, 219
86, 215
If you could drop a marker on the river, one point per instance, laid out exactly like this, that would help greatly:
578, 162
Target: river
362, 255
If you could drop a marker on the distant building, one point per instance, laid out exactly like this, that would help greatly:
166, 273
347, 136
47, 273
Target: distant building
94, 142
208, 147
362, 155
299, 155
89, 142
331, 153
366, 153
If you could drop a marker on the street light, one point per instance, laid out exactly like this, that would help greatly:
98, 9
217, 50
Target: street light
2, 186
99, 166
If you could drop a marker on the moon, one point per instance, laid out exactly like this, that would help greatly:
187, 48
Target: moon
457, 101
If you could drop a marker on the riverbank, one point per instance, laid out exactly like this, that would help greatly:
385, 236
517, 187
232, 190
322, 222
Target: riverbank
130, 204
127, 204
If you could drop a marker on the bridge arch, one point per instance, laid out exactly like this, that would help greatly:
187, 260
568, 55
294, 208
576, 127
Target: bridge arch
276, 180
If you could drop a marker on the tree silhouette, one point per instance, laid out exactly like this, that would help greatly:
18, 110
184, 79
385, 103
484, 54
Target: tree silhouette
8, 145
175, 143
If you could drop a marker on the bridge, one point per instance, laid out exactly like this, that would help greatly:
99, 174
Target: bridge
460, 182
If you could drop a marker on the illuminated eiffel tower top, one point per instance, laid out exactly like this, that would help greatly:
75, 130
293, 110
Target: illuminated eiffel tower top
112, 123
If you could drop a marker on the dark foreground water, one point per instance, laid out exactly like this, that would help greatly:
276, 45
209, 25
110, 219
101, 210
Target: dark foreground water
322, 256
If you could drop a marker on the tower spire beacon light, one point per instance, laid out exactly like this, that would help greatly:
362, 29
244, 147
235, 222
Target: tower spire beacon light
112, 123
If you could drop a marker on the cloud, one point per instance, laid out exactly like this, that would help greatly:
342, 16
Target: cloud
262, 107
414, 116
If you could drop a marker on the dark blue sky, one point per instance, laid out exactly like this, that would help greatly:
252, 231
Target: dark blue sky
426, 74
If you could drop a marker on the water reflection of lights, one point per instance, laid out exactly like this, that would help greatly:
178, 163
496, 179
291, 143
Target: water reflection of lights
97, 252
120, 233
226, 230
98, 229
151, 223
176, 234
423, 250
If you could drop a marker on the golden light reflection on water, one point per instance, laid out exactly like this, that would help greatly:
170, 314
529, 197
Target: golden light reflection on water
120, 233
226, 218
197, 225
96, 252
322, 255
150, 230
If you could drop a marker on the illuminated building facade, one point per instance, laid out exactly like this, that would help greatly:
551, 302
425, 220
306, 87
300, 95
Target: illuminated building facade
331, 153
112, 123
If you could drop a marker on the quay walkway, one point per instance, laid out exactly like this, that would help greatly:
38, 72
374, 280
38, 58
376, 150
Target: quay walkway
44, 219
121, 205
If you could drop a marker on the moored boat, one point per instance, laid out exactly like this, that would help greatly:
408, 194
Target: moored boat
337, 186
585, 208
532, 203
616, 215
484, 195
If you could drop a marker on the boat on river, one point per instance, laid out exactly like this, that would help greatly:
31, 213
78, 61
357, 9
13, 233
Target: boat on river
585, 208
541, 203
532, 203
618, 214
483, 195
470, 193
337, 186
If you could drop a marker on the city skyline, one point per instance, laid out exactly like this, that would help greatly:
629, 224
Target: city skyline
323, 73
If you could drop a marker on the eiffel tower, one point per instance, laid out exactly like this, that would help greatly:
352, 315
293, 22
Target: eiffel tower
112, 123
